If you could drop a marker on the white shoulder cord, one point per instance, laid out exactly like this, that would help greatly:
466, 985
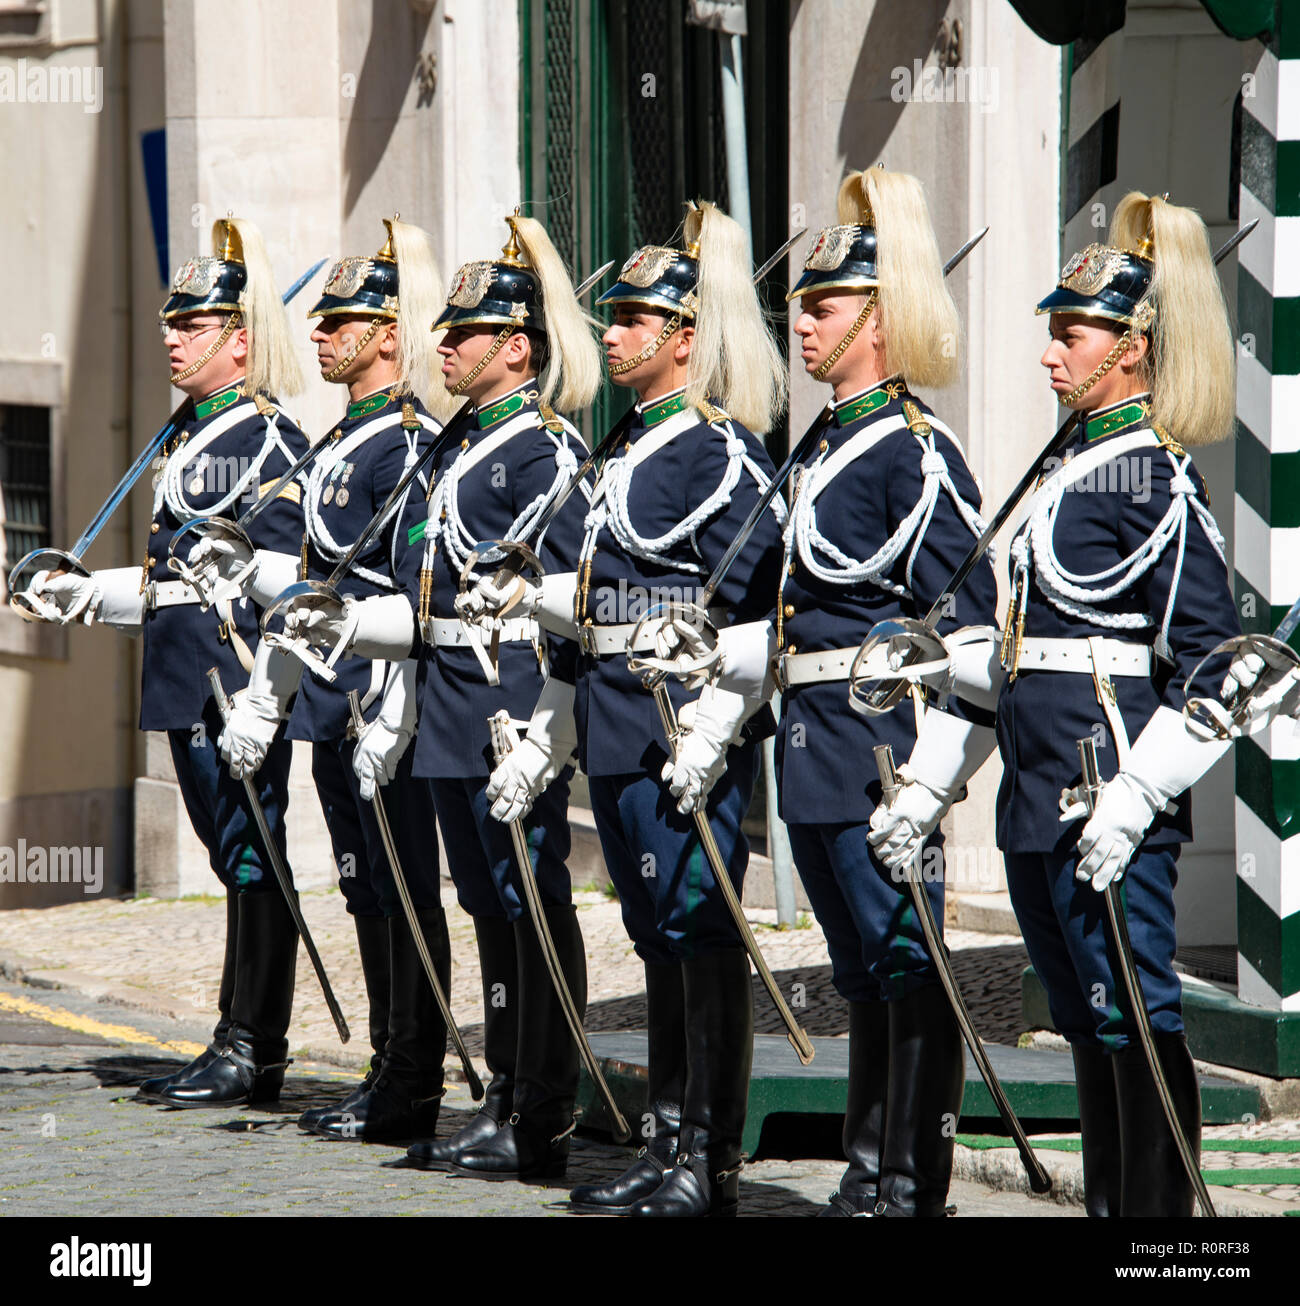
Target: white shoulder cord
444, 507
1076, 594
803, 533
171, 488
324, 464
613, 510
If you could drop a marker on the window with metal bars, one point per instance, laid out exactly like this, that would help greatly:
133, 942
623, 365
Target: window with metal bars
24, 482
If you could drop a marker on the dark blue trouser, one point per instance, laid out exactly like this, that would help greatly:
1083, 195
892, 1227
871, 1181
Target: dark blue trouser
218, 806
871, 925
672, 909
481, 854
364, 874
1067, 935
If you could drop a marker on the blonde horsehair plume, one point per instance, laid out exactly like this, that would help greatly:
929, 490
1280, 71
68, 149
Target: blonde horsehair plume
735, 359
918, 317
419, 301
272, 367
572, 374
1192, 371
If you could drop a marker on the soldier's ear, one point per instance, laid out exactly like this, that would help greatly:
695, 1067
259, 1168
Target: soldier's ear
239, 345
686, 338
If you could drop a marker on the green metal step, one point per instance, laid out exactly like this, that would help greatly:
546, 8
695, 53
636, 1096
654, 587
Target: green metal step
1039, 1085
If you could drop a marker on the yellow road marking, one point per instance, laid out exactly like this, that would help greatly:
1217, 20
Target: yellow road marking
88, 1025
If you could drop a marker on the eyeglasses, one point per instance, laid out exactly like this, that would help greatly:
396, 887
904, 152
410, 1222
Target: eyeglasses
188, 330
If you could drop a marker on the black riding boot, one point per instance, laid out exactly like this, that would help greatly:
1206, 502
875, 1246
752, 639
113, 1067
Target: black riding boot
499, 966
1094, 1078
719, 1019
150, 1088
533, 1143
927, 1076
864, 1112
403, 1101
666, 1039
249, 1066
376, 965
1153, 1180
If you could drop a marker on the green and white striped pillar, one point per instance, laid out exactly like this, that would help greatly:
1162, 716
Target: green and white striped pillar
1267, 515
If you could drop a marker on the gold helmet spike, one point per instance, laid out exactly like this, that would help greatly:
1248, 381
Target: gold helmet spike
510, 253
387, 253
226, 243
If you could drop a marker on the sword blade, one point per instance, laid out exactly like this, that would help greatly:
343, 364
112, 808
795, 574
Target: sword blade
778, 254
590, 281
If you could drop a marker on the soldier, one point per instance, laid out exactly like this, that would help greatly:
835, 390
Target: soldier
1101, 645
228, 342
881, 518
689, 337
373, 338
516, 342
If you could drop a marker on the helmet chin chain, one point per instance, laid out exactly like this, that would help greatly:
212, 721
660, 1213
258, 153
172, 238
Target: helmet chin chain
819, 373
473, 374
1122, 346
619, 369
210, 353
351, 356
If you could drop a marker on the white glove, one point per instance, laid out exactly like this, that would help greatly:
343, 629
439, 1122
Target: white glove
974, 672
708, 731
747, 653
948, 752
256, 712
538, 757
1165, 759
1280, 698
224, 567
549, 599
111, 597
485, 600
383, 741
381, 627
680, 641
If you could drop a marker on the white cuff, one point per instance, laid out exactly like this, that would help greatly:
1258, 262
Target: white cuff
274, 573
272, 682
385, 628
948, 752
747, 653
555, 608
552, 727
1167, 758
397, 710
975, 673
120, 605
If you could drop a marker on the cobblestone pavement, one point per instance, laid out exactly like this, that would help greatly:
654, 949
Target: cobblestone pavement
165, 955
74, 1141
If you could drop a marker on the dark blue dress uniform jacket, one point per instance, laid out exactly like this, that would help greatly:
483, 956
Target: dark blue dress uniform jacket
619, 730
825, 767
1042, 714
321, 710
181, 642
455, 698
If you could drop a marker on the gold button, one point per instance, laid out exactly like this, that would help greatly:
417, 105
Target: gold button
464, 444
791, 649
790, 569
825, 444
443, 516
789, 609
150, 560
336, 432
153, 528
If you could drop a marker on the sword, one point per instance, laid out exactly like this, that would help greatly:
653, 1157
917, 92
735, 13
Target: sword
408, 910
502, 745
885, 694
282, 871
41, 559
1091, 790
1039, 1180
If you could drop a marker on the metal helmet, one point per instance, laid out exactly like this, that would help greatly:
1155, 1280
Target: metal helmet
843, 257
660, 277
500, 292
209, 281
1103, 281
360, 286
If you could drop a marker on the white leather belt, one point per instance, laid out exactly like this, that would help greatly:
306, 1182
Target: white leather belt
806, 668
451, 632
170, 594
1117, 657
598, 641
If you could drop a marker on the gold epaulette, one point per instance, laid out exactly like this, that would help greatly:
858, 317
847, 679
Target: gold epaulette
265, 407
549, 418
711, 414
1167, 441
916, 419
409, 420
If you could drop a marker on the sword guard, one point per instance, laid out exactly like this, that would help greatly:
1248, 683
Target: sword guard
1214, 719
27, 566
895, 655
696, 658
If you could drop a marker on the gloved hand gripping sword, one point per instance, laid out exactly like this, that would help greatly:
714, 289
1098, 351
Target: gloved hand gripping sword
1091, 790
412, 921
282, 871
1039, 1180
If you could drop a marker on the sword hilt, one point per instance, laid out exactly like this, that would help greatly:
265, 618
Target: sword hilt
1091, 786
890, 784
219, 694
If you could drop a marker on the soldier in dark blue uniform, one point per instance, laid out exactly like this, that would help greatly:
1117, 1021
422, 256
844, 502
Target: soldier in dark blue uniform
1119, 589
881, 517
689, 336
374, 339
516, 343
228, 342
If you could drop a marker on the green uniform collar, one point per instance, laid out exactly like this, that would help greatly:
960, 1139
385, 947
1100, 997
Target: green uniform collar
1118, 417
215, 403
877, 397
661, 409
370, 404
507, 406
